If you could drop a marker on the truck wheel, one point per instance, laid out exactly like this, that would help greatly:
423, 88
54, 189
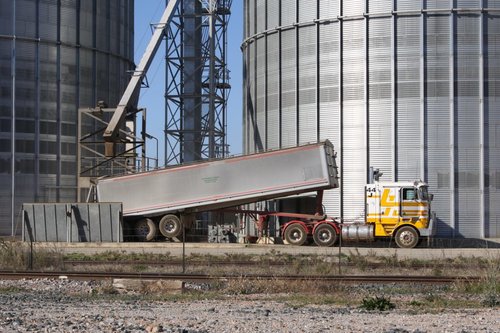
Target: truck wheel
325, 235
170, 226
295, 234
145, 230
407, 237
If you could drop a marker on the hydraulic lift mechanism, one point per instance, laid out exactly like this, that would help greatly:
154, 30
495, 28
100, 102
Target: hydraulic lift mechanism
111, 134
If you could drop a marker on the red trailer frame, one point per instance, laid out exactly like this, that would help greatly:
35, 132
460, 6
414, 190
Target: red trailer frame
322, 229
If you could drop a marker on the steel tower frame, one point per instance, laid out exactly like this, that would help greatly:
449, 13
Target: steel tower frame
197, 81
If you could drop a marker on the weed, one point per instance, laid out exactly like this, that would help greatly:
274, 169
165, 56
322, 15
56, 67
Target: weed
106, 288
392, 261
491, 292
488, 287
491, 301
119, 256
237, 257
140, 268
377, 303
416, 303
48, 259
18, 256
11, 290
437, 271
431, 298
361, 262
13, 255
324, 269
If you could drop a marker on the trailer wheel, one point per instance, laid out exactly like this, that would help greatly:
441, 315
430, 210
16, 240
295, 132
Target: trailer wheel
145, 230
170, 226
407, 237
295, 234
325, 235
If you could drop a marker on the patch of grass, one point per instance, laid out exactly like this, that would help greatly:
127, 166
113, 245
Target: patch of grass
18, 256
50, 259
11, 290
106, 288
360, 261
13, 255
491, 301
119, 256
325, 269
377, 303
432, 302
202, 257
231, 257
418, 304
488, 288
140, 268
391, 261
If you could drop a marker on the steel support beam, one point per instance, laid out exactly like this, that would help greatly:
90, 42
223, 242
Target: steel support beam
111, 134
451, 80
484, 232
195, 110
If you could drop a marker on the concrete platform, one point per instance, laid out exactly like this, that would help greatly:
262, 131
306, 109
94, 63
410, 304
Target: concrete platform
492, 250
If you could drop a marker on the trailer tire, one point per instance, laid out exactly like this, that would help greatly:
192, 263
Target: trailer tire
145, 230
407, 237
295, 234
325, 235
170, 226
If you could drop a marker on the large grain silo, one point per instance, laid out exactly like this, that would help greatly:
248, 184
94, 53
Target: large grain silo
411, 87
55, 56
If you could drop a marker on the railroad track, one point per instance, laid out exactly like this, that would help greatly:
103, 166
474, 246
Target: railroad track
243, 263
209, 278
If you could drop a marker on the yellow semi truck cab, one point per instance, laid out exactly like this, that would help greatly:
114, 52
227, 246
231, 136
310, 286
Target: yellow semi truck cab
401, 210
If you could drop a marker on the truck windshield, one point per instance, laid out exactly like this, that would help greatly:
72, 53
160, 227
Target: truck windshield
423, 193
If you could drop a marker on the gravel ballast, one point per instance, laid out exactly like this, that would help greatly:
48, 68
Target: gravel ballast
69, 306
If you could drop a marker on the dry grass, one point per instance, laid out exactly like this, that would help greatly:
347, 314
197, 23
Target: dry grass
19, 256
482, 293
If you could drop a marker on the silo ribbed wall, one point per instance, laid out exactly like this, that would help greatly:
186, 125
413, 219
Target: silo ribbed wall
409, 87
55, 56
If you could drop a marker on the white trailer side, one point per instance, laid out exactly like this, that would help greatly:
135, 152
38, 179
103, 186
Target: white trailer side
223, 183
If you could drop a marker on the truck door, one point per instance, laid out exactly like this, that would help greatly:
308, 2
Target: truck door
409, 204
389, 210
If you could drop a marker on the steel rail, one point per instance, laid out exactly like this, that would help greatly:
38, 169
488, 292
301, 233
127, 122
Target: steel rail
260, 277
259, 263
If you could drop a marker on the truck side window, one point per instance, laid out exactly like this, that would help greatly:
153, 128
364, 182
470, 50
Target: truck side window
409, 194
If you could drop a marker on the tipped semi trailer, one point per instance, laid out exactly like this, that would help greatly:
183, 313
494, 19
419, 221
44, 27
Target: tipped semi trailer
161, 201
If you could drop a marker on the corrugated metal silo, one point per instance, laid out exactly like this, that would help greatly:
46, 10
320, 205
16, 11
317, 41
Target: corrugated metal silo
55, 56
409, 87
